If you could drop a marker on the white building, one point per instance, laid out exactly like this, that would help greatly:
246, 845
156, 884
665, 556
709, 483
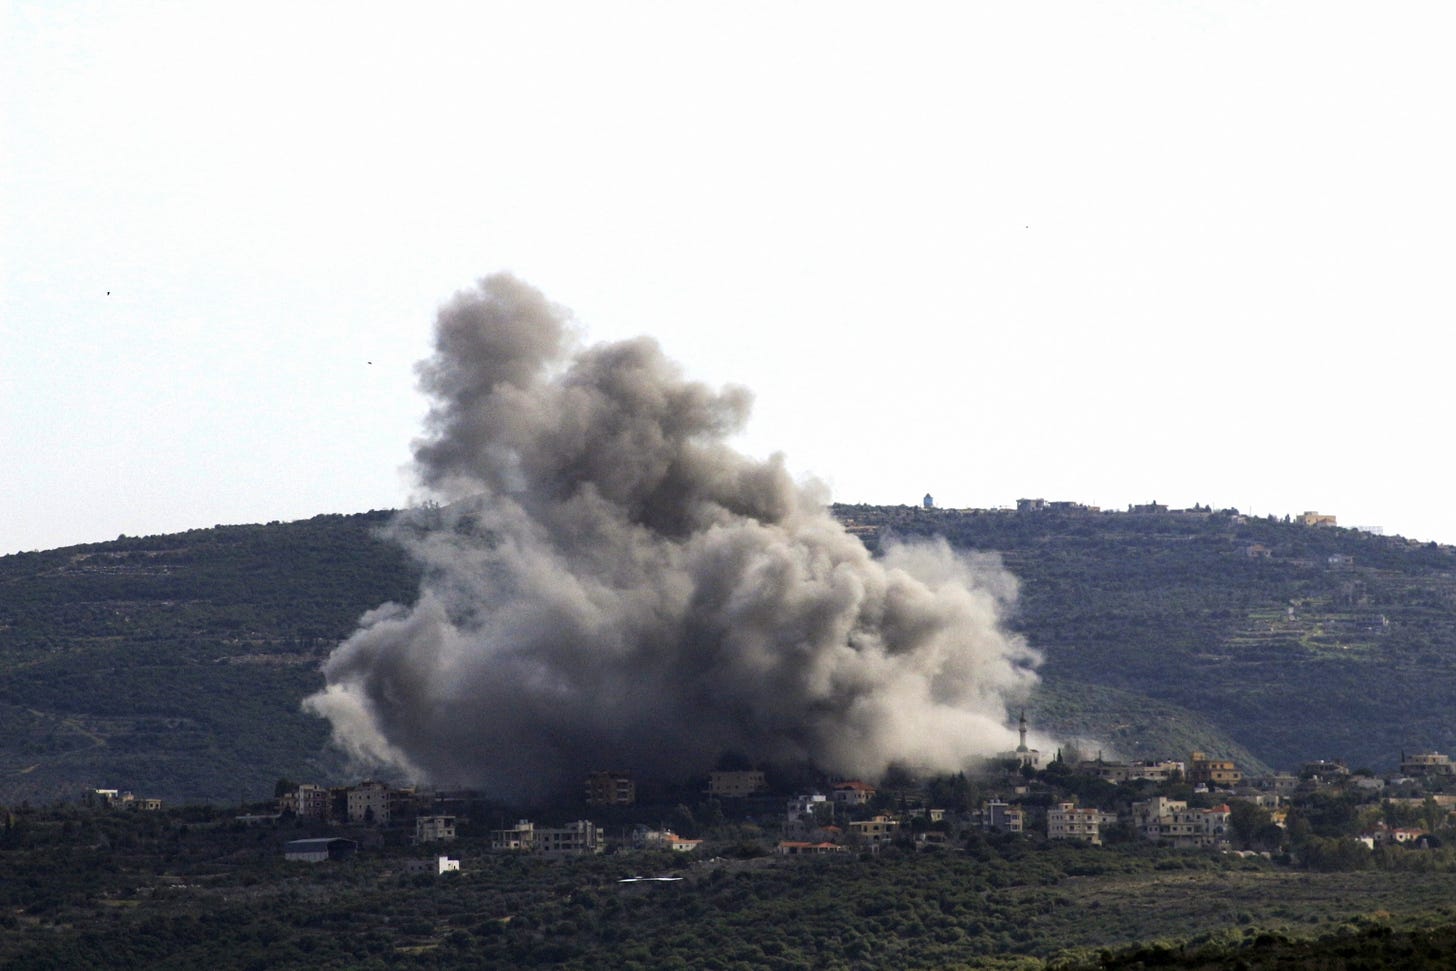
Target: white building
666, 839
1171, 821
437, 866
805, 805
319, 850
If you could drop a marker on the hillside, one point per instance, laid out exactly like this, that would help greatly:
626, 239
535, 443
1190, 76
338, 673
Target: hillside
1297, 642
174, 665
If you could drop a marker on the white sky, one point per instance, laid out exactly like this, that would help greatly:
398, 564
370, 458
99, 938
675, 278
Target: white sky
1110, 253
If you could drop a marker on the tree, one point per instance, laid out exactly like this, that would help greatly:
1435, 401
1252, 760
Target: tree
1246, 821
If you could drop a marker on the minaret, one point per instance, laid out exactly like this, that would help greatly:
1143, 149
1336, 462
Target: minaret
1022, 746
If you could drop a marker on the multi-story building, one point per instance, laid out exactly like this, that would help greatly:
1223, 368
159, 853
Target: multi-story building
804, 806
1001, 817
610, 789
735, 785
1119, 772
1213, 773
432, 829
580, 838
308, 801
880, 829
1069, 822
519, 838
853, 793
1171, 821
369, 802
1425, 763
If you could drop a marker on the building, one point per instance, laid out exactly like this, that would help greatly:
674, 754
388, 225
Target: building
735, 785
793, 848
852, 793
1424, 764
997, 816
1317, 519
928, 501
320, 850
1119, 772
1027, 757
519, 838
119, 799
437, 866
805, 806
308, 801
610, 789
1068, 822
433, 829
368, 803
1324, 770
1213, 773
875, 831
1171, 821
581, 838
574, 839
666, 839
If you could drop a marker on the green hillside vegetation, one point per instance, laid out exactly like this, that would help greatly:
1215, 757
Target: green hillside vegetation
174, 665
1289, 656
189, 888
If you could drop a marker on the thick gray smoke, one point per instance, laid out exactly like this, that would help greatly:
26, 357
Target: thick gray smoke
608, 585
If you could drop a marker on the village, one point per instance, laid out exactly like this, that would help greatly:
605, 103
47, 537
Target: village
1201, 803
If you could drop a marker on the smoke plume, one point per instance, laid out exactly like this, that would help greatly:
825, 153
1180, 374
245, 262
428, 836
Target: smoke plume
607, 584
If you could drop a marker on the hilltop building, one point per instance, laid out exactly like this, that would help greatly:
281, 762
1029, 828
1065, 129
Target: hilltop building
1024, 755
1119, 772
